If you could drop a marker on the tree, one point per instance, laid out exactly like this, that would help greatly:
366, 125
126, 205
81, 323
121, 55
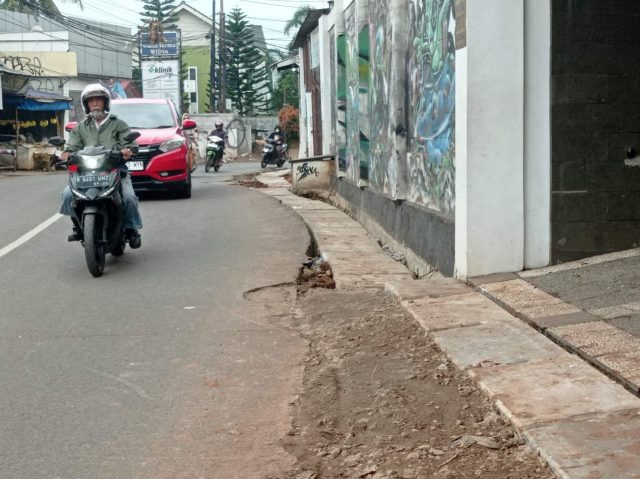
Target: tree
157, 15
298, 18
296, 21
34, 7
286, 92
247, 85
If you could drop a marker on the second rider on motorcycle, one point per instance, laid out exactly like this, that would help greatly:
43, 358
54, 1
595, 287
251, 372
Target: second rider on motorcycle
102, 128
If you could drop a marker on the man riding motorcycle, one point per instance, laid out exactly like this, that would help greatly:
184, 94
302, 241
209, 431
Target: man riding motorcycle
278, 137
219, 131
102, 128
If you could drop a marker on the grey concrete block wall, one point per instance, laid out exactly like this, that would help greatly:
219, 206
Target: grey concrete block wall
427, 234
595, 117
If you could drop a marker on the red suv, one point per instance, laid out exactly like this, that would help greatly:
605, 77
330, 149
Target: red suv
163, 160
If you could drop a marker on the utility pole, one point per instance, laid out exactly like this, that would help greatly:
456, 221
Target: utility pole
212, 69
223, 61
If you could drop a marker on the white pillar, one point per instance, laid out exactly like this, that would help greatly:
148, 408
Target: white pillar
326, 100
537, 134
489, 225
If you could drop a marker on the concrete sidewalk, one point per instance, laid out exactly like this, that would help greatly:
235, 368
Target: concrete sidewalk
584, 424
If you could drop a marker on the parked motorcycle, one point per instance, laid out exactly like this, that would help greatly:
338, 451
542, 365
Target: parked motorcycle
215, 150
274, 152
94, 179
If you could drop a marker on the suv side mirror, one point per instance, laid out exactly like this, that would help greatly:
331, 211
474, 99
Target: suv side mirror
188, 125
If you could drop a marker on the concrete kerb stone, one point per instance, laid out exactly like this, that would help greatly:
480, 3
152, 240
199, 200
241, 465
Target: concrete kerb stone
533, 382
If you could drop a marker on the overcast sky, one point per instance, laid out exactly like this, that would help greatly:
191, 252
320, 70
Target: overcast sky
271, 14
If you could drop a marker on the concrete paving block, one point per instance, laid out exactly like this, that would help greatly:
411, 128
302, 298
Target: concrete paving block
526, 300
541, 392
624, 366
605, 446
564, 319
455, 311
593, 338
492, 278
426, 288
495, 343
276, 191
365, 281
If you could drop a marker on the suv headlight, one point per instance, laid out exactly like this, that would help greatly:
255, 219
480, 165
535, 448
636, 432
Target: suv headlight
172, 144
93, 162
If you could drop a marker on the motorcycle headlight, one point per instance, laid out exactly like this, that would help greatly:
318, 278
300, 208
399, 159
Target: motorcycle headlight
172, 144
93, 162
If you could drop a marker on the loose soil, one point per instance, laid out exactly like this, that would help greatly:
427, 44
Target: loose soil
380, 401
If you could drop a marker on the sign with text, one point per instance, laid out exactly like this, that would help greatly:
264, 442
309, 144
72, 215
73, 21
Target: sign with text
161, 79
167, 46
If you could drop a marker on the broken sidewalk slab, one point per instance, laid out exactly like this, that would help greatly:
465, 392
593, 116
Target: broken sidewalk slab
525, 300
365, 281
535, 393
426, 288
604, 446
499, 341
455, 311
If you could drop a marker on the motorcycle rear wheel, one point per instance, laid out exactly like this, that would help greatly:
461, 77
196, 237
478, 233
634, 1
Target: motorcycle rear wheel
118, 249
93, 251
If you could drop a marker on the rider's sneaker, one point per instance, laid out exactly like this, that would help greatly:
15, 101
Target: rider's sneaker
75, 236
134, 239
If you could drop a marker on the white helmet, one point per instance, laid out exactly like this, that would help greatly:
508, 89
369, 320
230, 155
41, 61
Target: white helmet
92, 91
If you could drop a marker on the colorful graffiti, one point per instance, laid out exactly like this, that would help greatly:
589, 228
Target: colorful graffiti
397, 130
431, 112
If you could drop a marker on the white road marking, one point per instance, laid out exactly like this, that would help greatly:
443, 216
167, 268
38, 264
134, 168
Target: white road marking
27, 236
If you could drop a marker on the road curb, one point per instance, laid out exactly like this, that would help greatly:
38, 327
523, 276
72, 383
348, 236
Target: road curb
571, 414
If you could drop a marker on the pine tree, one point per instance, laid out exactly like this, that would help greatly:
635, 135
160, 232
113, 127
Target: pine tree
159, 11
247, 85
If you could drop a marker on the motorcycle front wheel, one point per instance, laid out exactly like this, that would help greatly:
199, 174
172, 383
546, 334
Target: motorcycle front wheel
93, 251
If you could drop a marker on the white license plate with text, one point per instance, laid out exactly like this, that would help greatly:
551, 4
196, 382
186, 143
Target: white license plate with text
135, 165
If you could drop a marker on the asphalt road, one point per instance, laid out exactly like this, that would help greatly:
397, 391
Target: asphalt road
160, 368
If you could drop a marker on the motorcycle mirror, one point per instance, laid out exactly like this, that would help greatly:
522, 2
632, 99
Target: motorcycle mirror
70, 126
188, 125
56, 141
631, 153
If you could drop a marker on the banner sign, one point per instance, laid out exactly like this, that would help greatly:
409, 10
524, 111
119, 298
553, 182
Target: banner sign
168, 46
161, 79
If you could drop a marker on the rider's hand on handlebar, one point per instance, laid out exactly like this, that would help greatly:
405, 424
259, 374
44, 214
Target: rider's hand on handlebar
126, 153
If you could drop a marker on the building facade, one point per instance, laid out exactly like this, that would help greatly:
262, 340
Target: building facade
480, 136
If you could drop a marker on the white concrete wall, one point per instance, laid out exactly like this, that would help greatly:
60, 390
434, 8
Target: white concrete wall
537, 134
304, 140
489, 158
194, 30
324, 25
34, 42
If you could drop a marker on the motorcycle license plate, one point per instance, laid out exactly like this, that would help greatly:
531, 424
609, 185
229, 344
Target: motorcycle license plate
135, 165
92, 181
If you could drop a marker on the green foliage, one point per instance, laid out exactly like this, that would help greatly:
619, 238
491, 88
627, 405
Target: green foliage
247, 80
286, 91
34, 7
159, 10
299, 16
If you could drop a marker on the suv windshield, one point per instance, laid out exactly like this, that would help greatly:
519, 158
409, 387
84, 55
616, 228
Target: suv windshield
144, 115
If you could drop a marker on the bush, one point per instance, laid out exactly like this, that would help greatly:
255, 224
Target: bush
288, 118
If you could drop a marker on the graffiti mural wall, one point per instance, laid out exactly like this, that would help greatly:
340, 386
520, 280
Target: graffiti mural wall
386, 128
431, 102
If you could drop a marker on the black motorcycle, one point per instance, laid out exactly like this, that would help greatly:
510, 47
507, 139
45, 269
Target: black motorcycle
274, 152
95, 181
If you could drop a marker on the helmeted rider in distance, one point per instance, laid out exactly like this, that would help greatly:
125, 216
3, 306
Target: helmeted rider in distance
100, 127
278, 136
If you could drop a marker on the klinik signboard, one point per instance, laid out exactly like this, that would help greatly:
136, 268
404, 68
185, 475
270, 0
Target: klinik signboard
161, 79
